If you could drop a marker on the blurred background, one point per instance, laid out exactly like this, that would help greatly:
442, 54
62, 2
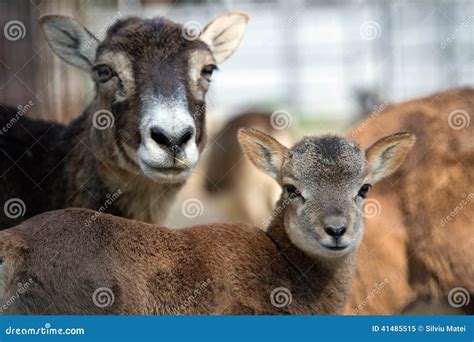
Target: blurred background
325, 61
320, 64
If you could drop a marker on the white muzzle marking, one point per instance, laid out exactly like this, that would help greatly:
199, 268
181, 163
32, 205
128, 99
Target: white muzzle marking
171, 116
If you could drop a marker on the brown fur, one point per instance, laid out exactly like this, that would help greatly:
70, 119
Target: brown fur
153, 270
65, 256
50, 166
407, 244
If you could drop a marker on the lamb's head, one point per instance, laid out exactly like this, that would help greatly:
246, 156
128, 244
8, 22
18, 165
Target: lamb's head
325, 180
151, 78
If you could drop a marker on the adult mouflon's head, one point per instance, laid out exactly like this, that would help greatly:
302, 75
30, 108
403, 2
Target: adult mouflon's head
151, 76
325, 181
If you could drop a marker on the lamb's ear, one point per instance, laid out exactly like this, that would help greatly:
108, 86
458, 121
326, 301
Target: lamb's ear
263, 151
70, 40
386, 155
224, 33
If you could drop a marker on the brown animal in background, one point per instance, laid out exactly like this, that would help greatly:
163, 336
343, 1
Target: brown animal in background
138, 141
245, 193
306, 257
421, 245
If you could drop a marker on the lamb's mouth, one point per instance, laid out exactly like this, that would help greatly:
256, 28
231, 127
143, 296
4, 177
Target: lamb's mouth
336, 248
171, 170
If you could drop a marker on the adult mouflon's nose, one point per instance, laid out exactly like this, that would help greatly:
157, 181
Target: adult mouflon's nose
173, 143
335, 232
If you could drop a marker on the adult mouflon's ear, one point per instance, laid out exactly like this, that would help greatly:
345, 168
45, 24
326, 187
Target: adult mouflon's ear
386, 155
70, 40
263, 151
224, 33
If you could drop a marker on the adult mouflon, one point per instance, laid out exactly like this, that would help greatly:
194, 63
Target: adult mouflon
307, 256
138, 140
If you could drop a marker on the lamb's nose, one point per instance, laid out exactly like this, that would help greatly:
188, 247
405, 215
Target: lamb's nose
174, 144
335, 232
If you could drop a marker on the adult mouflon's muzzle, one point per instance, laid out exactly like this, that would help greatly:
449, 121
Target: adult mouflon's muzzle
168, 149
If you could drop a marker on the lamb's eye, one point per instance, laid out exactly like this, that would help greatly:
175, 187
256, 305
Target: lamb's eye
363, 190
292, 191
104, 72
207, 71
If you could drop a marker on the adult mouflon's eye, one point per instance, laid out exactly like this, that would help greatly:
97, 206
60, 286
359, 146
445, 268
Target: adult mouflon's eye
291, 190
363, 190
207, 71
104, 73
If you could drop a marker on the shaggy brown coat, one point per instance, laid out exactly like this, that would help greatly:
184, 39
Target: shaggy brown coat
421, 245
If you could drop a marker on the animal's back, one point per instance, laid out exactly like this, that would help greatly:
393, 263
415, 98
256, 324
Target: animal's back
431, 184
30, 165
71, 259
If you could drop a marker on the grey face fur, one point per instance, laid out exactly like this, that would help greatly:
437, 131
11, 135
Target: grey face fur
325, 180
322, 178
